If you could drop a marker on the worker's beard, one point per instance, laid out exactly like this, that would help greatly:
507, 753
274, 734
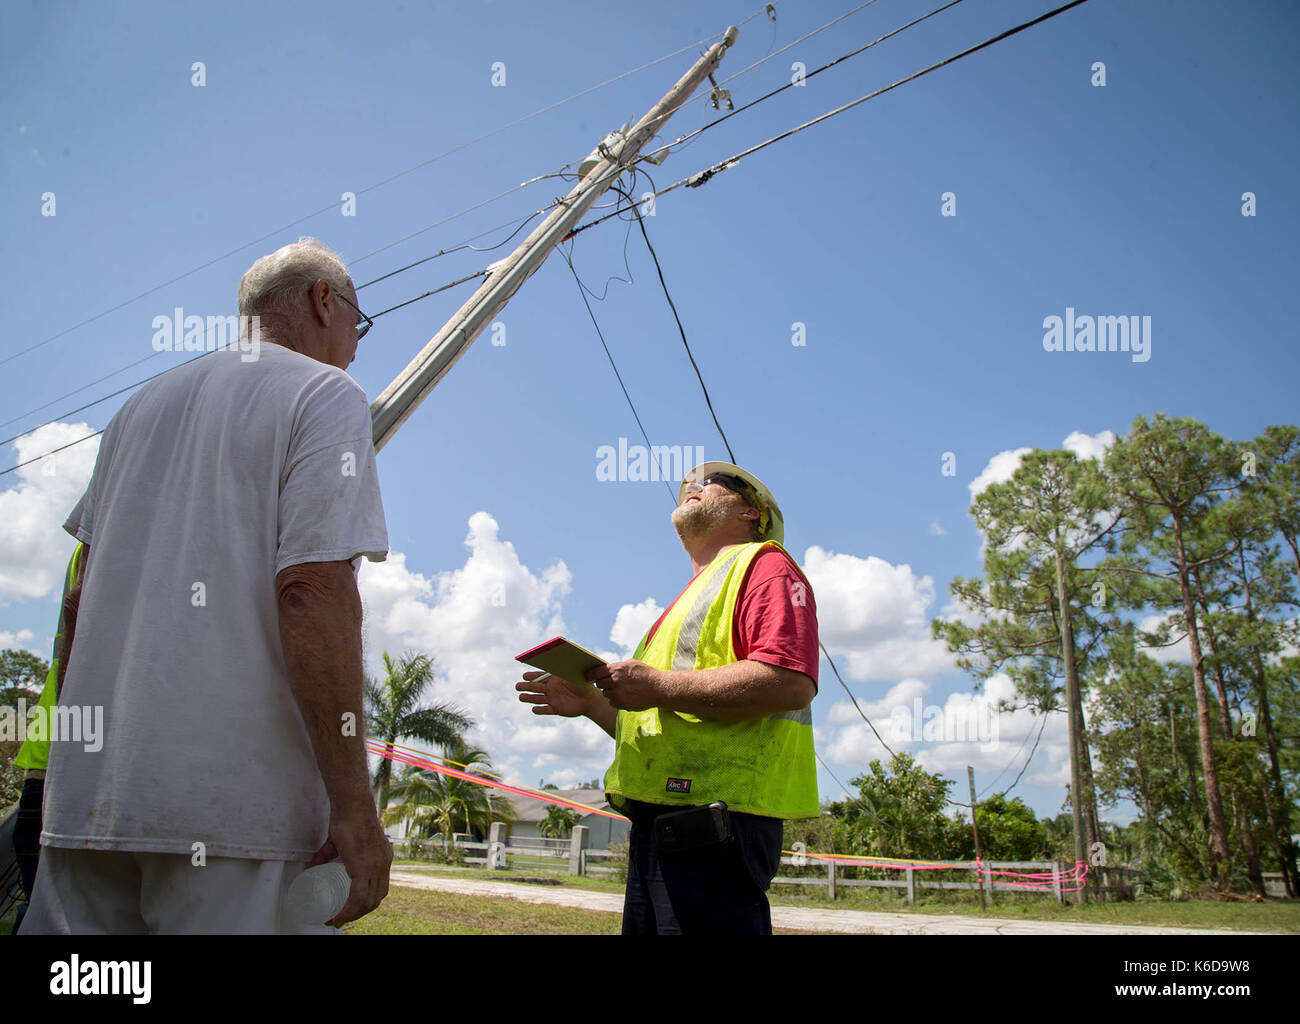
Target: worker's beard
698, 519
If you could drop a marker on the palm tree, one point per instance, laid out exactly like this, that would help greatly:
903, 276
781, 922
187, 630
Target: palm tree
393, 710
558, 823
434, 801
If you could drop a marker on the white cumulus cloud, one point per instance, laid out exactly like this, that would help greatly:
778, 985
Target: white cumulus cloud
23, 639
945, 735
1089, 446
631, 623
876, 615
1001, 468
472, 621
34, 549
1180, 650
1004, 464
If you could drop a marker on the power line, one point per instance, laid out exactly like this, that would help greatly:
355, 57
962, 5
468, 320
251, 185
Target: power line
704, 176
154, 377
649, 447
629, 280
139, 383
627, 237
701, 177
1029, 758
146, 380
721, 432
370, 188
770, 55
38, 458
802, 38
517, 224
705, 389
1014, 758
557, 173
99, 401
694, 181
699, 376
790, 85
681, 330
833, 776
217, 259
459, 281
893, 85
435, 291
830, 661
446, 220
69, 394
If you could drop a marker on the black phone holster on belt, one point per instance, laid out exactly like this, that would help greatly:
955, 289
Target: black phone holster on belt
693, 828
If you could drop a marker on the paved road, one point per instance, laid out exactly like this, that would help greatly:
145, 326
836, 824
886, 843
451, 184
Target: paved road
852, 922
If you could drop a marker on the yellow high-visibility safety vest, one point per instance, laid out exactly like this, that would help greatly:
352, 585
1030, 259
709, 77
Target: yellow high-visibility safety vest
35, 751
762, 766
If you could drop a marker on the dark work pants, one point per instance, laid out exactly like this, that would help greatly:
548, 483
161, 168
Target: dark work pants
27, 836
713, 890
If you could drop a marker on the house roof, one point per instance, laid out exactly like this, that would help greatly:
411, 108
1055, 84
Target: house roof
528, 809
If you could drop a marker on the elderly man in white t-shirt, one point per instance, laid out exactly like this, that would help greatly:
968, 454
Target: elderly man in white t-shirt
219, 627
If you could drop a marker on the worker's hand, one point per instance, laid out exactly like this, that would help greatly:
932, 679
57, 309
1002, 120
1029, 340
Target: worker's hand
552, 695
357, 838
629, 685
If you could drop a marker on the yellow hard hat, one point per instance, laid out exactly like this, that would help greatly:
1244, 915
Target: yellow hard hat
770, 517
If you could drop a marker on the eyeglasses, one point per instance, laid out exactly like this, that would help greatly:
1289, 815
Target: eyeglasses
364, 324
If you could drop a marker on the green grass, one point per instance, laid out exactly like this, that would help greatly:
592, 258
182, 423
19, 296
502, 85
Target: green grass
420, 912
515, 869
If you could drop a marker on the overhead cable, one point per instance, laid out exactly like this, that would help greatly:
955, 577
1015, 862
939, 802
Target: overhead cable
370, 188
701, 177
791, 84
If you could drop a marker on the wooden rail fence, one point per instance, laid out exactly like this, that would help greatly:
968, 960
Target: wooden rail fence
572, 856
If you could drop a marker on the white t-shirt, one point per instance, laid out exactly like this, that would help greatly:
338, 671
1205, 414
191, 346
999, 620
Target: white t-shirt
209, 481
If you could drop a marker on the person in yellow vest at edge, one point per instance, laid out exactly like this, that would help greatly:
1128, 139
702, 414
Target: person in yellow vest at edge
34, 755
711, 718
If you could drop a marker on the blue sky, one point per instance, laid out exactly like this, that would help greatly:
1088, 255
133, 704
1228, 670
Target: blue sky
923, 333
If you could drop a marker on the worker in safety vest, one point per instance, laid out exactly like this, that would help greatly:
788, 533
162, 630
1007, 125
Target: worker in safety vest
34, 755
711, 718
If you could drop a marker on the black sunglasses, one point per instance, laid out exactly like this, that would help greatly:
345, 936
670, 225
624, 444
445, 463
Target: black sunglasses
731, 483
742, 487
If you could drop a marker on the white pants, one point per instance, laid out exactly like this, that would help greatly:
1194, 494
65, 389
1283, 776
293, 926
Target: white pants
107, 892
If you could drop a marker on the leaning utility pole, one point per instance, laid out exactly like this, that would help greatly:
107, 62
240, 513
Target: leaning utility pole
614, 154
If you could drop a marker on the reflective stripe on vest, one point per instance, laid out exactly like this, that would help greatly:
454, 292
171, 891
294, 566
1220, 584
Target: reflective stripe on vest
762, 766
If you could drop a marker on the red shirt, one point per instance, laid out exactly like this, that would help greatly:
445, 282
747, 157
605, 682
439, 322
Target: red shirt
776, 616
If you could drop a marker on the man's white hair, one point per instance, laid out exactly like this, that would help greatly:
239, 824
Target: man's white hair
279, 282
